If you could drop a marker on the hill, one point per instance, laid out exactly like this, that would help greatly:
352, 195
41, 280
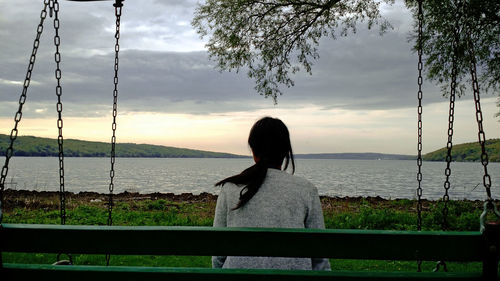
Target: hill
35, 146
360, 156
467, 152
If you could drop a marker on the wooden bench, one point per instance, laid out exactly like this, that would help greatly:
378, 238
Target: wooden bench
208, 241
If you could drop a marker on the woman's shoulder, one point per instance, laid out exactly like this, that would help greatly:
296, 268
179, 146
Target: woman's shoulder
230, 189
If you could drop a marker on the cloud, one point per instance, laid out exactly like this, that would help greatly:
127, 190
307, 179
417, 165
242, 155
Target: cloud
164, 69
364, 71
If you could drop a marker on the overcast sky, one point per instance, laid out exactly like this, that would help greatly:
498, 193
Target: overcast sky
361, 96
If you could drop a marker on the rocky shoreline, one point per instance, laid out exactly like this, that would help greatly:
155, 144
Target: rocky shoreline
31, 199
49, 200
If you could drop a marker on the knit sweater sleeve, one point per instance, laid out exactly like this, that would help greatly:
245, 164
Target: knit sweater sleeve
315, 219
220, 220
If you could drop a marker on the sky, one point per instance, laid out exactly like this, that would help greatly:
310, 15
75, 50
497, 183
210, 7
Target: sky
361, 96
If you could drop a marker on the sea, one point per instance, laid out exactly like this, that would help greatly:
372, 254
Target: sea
389, 179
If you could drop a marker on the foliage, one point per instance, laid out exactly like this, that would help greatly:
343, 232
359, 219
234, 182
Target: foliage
467, 152
478, 23
363, 214
400, 215
35, 146
276, 38
265, 35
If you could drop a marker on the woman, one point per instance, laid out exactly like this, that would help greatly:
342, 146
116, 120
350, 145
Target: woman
265, 196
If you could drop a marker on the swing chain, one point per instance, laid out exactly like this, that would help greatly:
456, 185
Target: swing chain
118, 7
489, 204
419, 112
54, 12
479, 118
22, 99
118, 12
451, 116
54, 5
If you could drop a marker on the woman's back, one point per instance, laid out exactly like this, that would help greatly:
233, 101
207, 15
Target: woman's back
283, 201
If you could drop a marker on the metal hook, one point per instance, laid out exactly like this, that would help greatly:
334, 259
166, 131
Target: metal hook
488, 205
69, 261
439, 264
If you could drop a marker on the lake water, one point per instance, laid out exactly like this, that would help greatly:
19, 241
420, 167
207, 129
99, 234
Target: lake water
333, 177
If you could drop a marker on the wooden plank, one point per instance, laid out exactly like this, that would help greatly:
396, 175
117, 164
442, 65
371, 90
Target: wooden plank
97, 273
206, 241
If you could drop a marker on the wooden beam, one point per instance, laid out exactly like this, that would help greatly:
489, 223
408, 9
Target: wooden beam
208, 241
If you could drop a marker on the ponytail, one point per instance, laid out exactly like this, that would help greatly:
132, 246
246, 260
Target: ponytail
252, 178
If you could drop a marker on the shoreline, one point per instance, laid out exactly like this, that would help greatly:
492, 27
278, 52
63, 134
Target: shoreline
300, 156
49, 200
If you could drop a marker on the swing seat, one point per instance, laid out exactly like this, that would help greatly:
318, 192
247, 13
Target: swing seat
208, 241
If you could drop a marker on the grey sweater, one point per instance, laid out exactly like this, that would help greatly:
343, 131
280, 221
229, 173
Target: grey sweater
283, 201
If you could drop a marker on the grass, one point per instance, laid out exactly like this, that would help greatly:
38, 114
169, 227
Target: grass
339, 213
401, 215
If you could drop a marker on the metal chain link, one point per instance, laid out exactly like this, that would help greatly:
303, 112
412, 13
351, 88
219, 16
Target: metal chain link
57, 57
451, 116
419, 112
22, 99
51, 8
54, 11
419, 125
479, 117
118, 12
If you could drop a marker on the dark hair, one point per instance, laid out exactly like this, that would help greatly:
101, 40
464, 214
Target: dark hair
269, 140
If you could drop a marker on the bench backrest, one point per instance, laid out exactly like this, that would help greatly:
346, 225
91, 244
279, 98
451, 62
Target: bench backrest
208, 241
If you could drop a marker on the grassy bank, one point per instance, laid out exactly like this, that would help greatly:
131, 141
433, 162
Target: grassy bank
189, 210
37, 146
467, 152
